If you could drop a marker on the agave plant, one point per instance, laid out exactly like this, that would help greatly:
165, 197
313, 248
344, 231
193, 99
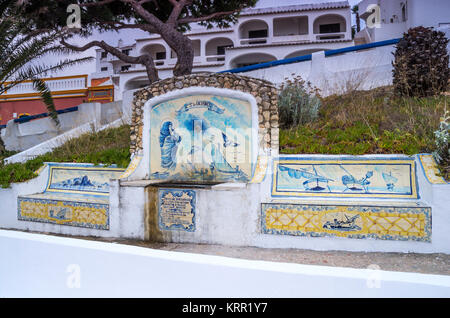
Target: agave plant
21, 50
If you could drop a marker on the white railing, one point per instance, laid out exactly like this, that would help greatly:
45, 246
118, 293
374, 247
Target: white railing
290, 38
160, 62
330, 36
264, 40
215, 58
57, 84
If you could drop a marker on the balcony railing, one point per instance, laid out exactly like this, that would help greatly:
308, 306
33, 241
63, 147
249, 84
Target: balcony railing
251, 41
290, 38
330, 36
57, 84
215, 58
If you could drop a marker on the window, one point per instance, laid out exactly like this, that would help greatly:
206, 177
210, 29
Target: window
124, 68
257, 34
126, 51
330, 28
404, 6
103, 69
160, 55
103, 55
221, 49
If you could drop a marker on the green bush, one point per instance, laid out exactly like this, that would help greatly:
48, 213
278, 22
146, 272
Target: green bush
107, 147
298, 103
368, 122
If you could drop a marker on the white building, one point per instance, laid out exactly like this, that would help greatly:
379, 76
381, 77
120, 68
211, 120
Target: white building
396, 16
262, 34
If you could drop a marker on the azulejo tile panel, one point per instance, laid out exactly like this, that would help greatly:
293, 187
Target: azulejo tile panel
75, 195
201, 138
81, 179
351, 178
83, 214
131, 167
350, 221
260, 169
430, 169
176, 209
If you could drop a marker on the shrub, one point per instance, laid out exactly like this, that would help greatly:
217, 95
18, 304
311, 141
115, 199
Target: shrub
368, 122
442, 152
109, 146
2, 146
298, 103
421, 63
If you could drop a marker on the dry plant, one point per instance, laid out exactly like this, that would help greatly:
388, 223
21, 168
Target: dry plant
346, 82
298, 102
421, 63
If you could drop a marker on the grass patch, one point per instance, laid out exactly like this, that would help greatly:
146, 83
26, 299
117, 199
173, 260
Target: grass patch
5, 154
110, 146
368, 122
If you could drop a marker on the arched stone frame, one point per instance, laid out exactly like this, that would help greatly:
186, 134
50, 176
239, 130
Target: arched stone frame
223, 92
264, 94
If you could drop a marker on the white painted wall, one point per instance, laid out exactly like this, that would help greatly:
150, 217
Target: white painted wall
123, 222
232, 216
46, 266
50, 144
337, 74
22, 136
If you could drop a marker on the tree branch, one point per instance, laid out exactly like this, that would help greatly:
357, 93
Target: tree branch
147, 16
144, 59
178, 7
96, 4
191, 19
117, 25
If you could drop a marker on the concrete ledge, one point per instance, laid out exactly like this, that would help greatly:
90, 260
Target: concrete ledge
149, 273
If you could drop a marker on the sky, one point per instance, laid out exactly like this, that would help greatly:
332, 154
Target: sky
128, 36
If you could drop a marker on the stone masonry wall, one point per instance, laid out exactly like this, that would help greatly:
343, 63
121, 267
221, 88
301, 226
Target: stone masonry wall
265, 93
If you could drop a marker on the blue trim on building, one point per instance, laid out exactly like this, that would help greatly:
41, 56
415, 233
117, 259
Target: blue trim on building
308, 57
43, 115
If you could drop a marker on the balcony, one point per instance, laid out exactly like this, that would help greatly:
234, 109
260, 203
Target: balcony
291, 38
329, 27
250, 41
54, 84
253, 32
290, 29
330, 36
